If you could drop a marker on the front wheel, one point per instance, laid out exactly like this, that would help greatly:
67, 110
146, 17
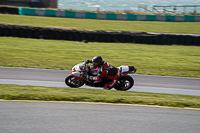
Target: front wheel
125, 83
71, 82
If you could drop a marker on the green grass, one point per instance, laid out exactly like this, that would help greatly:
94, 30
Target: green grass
57, 54
16, 92
53, 54
110, 25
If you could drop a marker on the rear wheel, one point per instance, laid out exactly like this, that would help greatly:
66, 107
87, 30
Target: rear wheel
71, 82
125, 83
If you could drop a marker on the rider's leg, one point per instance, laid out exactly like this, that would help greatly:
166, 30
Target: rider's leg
109, 85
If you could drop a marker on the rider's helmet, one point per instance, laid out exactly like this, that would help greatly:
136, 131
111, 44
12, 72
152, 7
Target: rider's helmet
97, 60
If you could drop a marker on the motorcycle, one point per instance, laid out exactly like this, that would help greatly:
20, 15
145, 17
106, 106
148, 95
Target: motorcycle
79, 74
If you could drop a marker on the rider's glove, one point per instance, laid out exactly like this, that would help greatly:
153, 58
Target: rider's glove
88, 61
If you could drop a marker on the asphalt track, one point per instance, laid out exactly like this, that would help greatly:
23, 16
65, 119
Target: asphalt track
63, 117
69, 117
143, 83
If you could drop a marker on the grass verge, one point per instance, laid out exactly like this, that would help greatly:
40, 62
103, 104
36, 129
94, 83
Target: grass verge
16, 92
57, 54
110, 25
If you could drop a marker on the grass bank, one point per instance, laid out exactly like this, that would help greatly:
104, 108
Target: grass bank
109, 25
57, 54
16, 92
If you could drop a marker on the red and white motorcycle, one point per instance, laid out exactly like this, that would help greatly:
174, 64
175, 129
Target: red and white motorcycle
79, 74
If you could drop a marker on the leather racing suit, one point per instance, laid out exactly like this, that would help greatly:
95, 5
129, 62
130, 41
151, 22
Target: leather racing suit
108, 71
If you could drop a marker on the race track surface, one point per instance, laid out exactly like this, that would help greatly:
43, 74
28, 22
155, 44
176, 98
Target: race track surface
63, 117
143, 83
69, 117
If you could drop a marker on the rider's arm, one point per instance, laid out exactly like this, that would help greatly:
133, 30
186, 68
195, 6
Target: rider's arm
101, 72
88, 61
95, 78
99, 76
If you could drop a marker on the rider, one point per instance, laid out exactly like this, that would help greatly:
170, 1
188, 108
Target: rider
105, 70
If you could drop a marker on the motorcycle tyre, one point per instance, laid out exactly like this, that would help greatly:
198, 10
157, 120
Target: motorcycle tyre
71, 85
125, 78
